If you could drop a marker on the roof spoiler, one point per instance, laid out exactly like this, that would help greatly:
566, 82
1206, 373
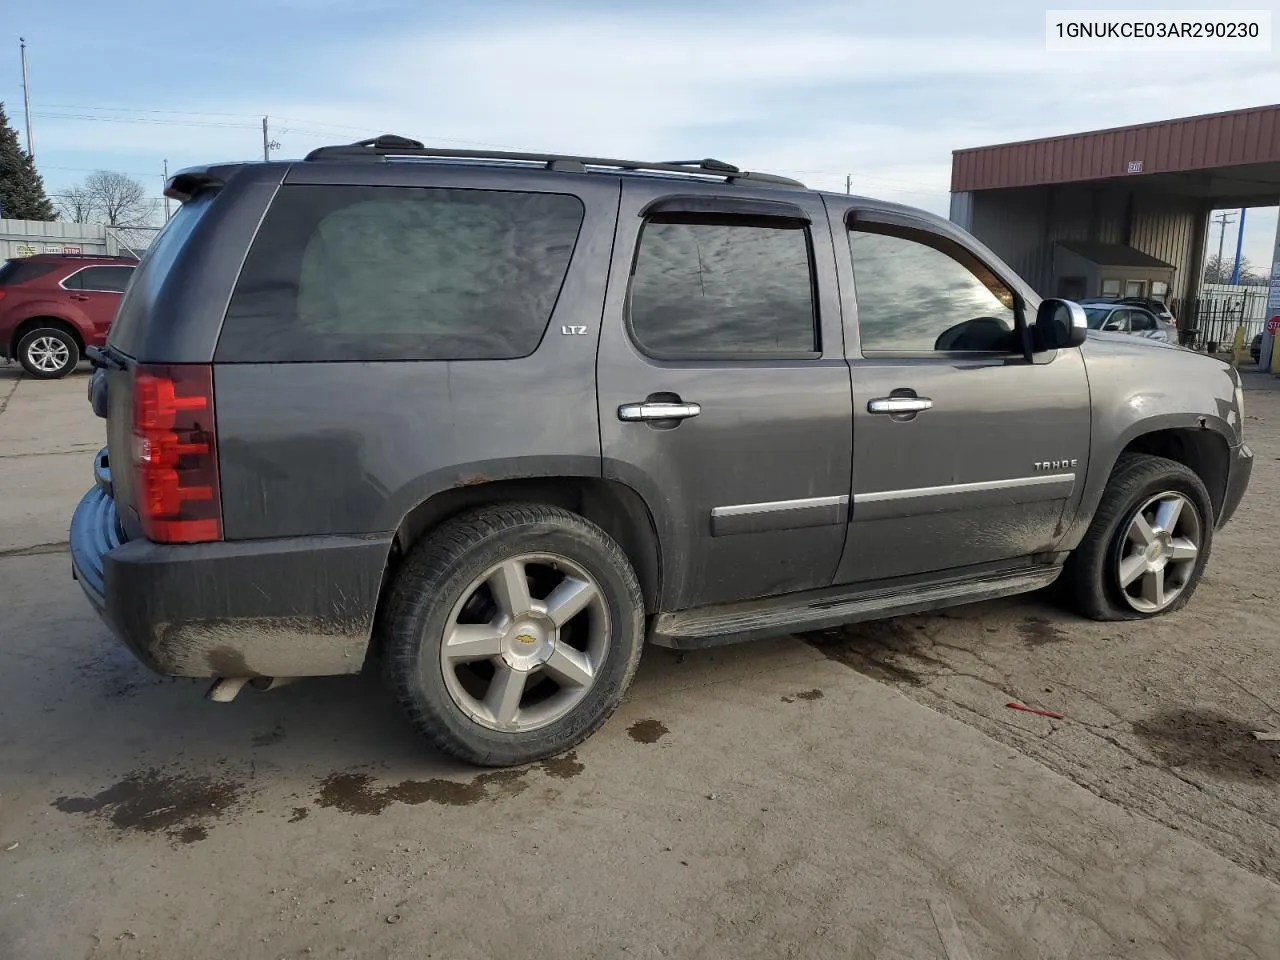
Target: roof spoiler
185, 184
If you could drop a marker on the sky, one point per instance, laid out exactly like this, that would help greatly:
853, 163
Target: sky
814, 89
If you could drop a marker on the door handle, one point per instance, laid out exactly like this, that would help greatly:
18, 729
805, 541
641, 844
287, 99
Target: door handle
899, 405
657, 410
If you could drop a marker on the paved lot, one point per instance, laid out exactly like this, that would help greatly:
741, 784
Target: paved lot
763, 801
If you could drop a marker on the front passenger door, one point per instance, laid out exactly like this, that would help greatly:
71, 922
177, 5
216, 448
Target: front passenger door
965, 452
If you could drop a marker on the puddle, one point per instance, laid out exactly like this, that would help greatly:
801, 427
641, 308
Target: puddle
356, 793
1039, 632
880, 649
152, 802
647, 731
1212, 743
803, 695
563, 768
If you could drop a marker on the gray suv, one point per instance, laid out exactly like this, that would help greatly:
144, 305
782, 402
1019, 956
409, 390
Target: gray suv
493, 421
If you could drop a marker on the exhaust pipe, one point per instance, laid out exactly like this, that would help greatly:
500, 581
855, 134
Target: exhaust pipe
226, 689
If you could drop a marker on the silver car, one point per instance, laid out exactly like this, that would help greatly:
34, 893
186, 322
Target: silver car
1127, 318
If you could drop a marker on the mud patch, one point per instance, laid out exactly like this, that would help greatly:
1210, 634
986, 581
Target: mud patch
803, 695
152, 802
563, 768
1212, 743
299, 813
355, 793
1039, 632
272, 736
647, 731
885, 650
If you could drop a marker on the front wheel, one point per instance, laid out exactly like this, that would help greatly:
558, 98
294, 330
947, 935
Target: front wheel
512, 632
1147, 546
48, 353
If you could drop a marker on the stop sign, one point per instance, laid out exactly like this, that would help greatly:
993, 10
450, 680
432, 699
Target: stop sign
1273, 325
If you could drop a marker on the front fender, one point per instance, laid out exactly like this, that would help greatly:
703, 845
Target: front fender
1142, 388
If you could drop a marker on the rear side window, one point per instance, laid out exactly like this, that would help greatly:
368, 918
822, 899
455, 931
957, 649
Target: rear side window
737, 287
132, 316
20, 271
400, 273
100, 279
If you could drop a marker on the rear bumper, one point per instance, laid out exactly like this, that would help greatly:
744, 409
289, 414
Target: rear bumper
1237, 482
290, 607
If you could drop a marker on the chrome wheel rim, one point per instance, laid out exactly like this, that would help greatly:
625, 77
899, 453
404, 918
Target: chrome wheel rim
525, 642
1159, 553
48, 354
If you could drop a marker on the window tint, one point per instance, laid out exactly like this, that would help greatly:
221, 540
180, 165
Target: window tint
108, 279
918, 292
21, 270
400, 273
706, 286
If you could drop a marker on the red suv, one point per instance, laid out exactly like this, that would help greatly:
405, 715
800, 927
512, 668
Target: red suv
53, 306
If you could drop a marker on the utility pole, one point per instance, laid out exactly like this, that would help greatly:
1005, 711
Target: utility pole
1223, 220
166, 189
1235, 270
26, 98
267, 143
848, 183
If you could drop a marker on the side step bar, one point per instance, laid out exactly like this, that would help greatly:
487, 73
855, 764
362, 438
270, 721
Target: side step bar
820, 609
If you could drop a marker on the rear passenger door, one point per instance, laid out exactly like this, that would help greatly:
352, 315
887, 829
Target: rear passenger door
97, 291
724, 396
966, 453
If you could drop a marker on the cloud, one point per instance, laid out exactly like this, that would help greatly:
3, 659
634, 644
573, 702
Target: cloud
816, 95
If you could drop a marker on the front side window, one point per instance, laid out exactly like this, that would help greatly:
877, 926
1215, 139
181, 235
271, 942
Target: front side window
400, 273
1141, 320
918, 292
706, 287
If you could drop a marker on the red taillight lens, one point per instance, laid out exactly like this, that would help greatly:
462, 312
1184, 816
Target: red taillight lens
175, 454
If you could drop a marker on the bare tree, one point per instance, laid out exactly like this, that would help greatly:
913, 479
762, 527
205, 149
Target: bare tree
75, 205
1219, 271
118, 200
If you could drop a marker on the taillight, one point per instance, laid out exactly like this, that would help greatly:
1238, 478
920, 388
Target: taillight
175, 454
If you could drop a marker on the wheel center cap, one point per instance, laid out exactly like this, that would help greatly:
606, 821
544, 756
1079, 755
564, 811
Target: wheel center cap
1159, 550
529, 641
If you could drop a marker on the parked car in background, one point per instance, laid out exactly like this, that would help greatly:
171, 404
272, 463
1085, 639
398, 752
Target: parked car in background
1157, 307
54, 305
1117, 316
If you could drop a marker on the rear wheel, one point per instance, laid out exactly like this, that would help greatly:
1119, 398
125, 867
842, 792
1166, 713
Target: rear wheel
1148, 544
512, 633
48, 353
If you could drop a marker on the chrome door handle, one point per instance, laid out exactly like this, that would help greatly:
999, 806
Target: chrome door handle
899, 404
631, 412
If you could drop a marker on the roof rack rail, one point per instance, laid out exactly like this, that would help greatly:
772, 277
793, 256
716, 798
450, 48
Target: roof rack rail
389, 145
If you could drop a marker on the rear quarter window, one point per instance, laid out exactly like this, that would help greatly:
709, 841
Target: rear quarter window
400, 273
21, 271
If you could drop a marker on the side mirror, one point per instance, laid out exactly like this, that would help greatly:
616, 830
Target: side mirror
1060, 324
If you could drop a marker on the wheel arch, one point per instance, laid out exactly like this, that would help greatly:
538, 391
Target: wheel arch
616, 508
44, 320
1204, 451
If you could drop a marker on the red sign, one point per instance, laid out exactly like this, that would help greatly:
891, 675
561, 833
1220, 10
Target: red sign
1273, 325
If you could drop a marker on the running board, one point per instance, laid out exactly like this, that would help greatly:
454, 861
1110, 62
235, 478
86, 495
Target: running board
820, 609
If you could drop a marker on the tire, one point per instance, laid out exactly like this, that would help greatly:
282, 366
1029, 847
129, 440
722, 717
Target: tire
467, 573
1091, 583
48, 353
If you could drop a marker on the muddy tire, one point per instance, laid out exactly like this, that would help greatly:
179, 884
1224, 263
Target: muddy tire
1147, 547
512, 632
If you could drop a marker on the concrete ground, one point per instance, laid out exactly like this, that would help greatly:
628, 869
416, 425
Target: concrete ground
759, 801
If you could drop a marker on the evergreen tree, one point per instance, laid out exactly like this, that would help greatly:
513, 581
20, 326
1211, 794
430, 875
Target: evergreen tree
22, 195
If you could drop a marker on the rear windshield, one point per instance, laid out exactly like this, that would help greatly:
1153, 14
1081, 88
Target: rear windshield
22, 270
130, 324
400, 273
